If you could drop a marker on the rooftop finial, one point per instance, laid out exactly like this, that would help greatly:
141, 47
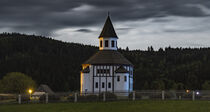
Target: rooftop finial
108, 13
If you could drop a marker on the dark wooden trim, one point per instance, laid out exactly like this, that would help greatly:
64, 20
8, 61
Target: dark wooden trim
99, 82
113, 79
106, 79
129, 79
93, 77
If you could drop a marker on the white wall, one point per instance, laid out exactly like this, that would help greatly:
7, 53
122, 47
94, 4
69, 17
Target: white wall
110, 44
87, 80
122, 85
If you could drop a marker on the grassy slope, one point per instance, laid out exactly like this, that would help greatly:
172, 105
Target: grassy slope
138, 106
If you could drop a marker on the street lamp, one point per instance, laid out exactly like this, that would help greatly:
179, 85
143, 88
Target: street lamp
30, 91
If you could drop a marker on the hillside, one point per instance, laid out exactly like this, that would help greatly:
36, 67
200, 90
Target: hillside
58, 64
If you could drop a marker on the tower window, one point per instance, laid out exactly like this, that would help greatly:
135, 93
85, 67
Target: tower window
112, 43
118, 78
96, 85
125, 78
116, 43
106, 43
109, 85
102, 84
101, 43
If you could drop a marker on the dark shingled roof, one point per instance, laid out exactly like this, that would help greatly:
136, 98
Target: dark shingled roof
45, 88
121, 69
86, 70
108, 29
108, 57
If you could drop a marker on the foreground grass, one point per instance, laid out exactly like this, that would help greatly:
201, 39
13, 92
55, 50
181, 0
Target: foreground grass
123, 106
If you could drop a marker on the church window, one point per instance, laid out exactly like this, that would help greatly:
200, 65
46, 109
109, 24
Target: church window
101, 43
102, 84
125, 78
106, 43
118, 78
116, 43
96, 85
109, 85
112, 43
103, 71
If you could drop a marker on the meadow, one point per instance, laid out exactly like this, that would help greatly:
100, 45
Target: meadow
119, 106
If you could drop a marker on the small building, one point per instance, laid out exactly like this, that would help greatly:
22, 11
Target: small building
42, 90
107, 70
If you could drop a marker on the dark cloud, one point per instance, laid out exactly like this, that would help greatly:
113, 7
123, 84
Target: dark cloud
45, 16
84, 30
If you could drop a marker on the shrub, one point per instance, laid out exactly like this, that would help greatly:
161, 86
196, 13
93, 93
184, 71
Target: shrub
51, 98
109, 96
137, 95
83, 98
24, 98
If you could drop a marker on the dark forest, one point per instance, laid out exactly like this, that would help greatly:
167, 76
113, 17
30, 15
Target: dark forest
58, 63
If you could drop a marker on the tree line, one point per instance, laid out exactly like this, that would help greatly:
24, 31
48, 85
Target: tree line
58, 63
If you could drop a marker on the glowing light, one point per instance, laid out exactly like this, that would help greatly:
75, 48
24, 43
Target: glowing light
197, 93
30, 91
187, 91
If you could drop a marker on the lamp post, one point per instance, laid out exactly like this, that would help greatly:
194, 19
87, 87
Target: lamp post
30, 91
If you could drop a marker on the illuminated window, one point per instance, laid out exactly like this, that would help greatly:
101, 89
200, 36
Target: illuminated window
109, 85
118, 78
112, 43
101, 43
106, 43
125, 78
96, 85
102, 84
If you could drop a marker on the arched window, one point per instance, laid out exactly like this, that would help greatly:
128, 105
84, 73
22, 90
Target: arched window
102, 84
125, 78
101, 43
112, 43
118, 78
109, 85
106, 43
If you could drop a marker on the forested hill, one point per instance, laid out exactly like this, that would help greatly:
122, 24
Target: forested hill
47, 61
58, 64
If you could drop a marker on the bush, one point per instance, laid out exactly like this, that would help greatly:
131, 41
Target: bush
109, 96
51, 98
83, 98
137, 95
24, 98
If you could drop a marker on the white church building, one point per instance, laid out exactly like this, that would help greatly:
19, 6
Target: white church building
107, 70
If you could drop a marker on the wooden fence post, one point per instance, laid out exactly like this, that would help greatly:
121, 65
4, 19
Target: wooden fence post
134, 95
75, 97
104, 96
193, 95
47, 98
19, 99
163, 95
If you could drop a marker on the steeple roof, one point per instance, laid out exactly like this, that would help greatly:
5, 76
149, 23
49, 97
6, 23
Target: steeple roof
108, 29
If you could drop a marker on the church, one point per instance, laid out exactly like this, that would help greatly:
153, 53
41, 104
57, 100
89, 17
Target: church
107, 70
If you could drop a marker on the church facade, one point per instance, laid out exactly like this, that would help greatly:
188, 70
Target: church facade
107, 70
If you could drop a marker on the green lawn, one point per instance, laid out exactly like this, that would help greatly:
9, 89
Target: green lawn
121, 106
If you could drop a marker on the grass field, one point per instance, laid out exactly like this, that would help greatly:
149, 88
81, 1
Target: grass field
121, 106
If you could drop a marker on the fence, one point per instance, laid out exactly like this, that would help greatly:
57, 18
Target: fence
92, 97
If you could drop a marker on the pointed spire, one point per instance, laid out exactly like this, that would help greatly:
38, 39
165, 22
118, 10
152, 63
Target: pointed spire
108, 29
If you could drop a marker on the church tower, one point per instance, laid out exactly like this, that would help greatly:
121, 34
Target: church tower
107, 70
108, 37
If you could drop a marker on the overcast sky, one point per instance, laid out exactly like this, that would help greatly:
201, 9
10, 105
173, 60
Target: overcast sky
138, 23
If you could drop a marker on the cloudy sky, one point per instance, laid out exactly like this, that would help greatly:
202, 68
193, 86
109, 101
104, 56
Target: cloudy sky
138, 23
